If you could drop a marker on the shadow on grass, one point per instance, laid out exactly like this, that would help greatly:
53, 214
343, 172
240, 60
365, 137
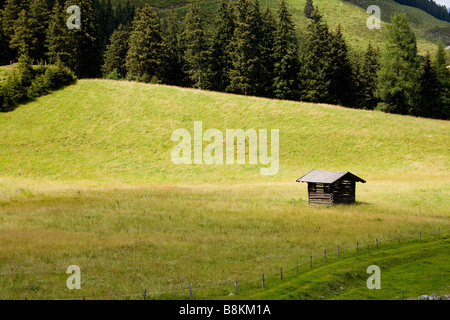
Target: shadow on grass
27, 100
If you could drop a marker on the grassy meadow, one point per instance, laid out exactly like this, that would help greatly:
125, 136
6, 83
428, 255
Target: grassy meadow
86, 178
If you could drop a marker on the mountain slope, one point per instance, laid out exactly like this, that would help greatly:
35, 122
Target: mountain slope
103, 131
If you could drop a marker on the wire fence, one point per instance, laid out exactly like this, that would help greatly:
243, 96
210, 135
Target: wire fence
234, 289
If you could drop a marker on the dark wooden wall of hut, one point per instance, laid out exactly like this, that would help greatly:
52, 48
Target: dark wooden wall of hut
320, 193
342, 191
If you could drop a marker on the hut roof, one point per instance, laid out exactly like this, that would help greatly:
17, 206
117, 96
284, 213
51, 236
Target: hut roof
322, 176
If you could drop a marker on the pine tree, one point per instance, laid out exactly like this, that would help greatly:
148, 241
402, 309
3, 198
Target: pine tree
269, 29
39, 16
443, 75
241, 51
175, 73
4, 44
246, 76
125, 14
10, 14
58, 43
429, 104
85, 42
342, 89
196, 47
147, 55
22, 39
309, 9
106, 21
258, 69
29, 31
316, 62
221, 61
286, 56
397, 78
366, 78
116, 52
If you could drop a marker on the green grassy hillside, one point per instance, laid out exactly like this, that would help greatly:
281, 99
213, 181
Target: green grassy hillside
351, 15
115, 131
86, 178
407, 271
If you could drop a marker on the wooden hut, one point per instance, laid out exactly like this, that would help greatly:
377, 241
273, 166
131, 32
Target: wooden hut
330, 187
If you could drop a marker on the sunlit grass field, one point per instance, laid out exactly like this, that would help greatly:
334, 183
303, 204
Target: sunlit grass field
86, 179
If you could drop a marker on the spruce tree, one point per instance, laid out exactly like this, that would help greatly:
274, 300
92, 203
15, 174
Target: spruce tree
443, 75
220, 60
269, 29
175, 73
241, 51
195, 46
116, 52
286, 57
366, 78
4, 44
29, 31
10, 14
258, 70
147, 55
22, 39
397, 78
342, 90
39, 16
106, 21
429, 104
58, 42
124, 14
248, 70
85, 42
316, 62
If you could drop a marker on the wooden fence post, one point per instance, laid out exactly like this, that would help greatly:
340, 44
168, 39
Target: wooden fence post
190, 292
357, 247
145, 293
310, 261
235, 285
420, 236
263, 280
281, 273
377, 243
339, 249
325, 256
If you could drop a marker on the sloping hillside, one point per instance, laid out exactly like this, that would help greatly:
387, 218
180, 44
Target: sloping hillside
86, 178
102, 130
